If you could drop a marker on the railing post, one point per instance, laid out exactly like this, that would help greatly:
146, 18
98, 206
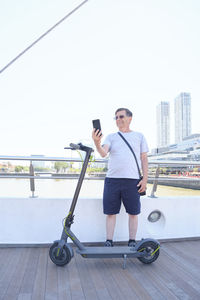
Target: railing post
32, 180
155, 183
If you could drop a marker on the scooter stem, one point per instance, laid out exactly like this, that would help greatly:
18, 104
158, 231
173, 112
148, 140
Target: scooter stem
88, 150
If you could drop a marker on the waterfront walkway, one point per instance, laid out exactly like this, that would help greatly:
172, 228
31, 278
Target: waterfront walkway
28, 273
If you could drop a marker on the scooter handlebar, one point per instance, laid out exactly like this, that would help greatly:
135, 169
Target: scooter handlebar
75, 146
79, 147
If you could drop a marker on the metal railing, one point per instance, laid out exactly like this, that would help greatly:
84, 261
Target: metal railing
32, 175
180, 165
152, 178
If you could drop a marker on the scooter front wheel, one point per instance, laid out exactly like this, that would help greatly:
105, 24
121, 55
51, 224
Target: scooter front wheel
58, 256
152, 250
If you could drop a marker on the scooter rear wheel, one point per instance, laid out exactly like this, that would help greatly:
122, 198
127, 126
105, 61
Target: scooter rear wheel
152, 249
60, 259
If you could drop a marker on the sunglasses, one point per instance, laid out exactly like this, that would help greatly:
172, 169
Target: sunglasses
119, 117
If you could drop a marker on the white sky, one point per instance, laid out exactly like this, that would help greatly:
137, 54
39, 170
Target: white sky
109, 54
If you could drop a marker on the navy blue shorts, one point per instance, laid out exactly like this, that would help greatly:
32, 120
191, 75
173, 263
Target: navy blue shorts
118, 190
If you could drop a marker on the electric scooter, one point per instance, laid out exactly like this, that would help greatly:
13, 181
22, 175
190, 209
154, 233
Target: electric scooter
61, 252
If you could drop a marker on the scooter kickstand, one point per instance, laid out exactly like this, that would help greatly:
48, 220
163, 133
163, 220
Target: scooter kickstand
124, 263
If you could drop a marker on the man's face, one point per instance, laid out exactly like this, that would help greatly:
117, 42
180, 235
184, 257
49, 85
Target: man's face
122, 120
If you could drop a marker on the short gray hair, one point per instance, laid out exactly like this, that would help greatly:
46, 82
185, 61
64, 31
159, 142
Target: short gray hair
128, 112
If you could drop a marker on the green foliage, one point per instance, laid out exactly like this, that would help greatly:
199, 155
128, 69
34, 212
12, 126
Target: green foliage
26, 169
19, 169
61, 166
92, 158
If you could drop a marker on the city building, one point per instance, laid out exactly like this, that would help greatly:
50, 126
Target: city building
187, 149
182, 115
163, 124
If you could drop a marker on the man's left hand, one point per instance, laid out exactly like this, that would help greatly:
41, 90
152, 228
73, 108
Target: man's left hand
143, 185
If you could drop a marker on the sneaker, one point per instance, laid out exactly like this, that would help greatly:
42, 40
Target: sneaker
108, 243
131, 243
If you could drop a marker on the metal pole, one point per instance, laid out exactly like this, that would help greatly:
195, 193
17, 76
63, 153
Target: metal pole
32, 180
155, 182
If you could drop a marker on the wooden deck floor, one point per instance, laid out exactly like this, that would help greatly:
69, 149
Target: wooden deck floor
28, 273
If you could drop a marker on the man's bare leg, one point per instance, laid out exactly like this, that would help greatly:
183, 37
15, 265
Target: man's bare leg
110, 226
133, 226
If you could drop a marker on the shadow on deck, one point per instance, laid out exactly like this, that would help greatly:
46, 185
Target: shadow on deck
28, 273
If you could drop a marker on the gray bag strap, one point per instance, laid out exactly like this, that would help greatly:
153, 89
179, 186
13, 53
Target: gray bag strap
127, 143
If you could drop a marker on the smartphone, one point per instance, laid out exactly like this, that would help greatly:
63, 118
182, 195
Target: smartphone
96, 124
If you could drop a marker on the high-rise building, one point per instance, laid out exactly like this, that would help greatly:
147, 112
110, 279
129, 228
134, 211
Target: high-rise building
163, 125
182, 114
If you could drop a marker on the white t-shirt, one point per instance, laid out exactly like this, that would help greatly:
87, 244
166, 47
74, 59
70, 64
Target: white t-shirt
121, 163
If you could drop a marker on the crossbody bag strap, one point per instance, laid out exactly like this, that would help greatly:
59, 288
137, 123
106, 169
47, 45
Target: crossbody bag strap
127, 143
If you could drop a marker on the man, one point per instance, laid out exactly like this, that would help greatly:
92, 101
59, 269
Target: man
122, 182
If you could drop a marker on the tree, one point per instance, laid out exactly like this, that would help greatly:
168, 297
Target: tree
19, 169
61, 165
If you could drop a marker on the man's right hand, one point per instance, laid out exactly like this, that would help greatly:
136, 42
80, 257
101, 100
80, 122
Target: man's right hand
97, 136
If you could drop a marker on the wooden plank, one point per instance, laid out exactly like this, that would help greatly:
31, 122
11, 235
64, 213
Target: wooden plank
86, 280
139, 290
64, 291
40, 278
182, 260
8, 269
155, 271
99, 285
118, 274
189, 251
51, 291
139, 271
24, 296
158, 269
194, 247
5, 256
191, 274
105, 270
18, 275
30, 272
180, 283
75, 283
194, 244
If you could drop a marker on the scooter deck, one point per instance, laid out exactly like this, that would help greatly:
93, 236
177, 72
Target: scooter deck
108, 252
